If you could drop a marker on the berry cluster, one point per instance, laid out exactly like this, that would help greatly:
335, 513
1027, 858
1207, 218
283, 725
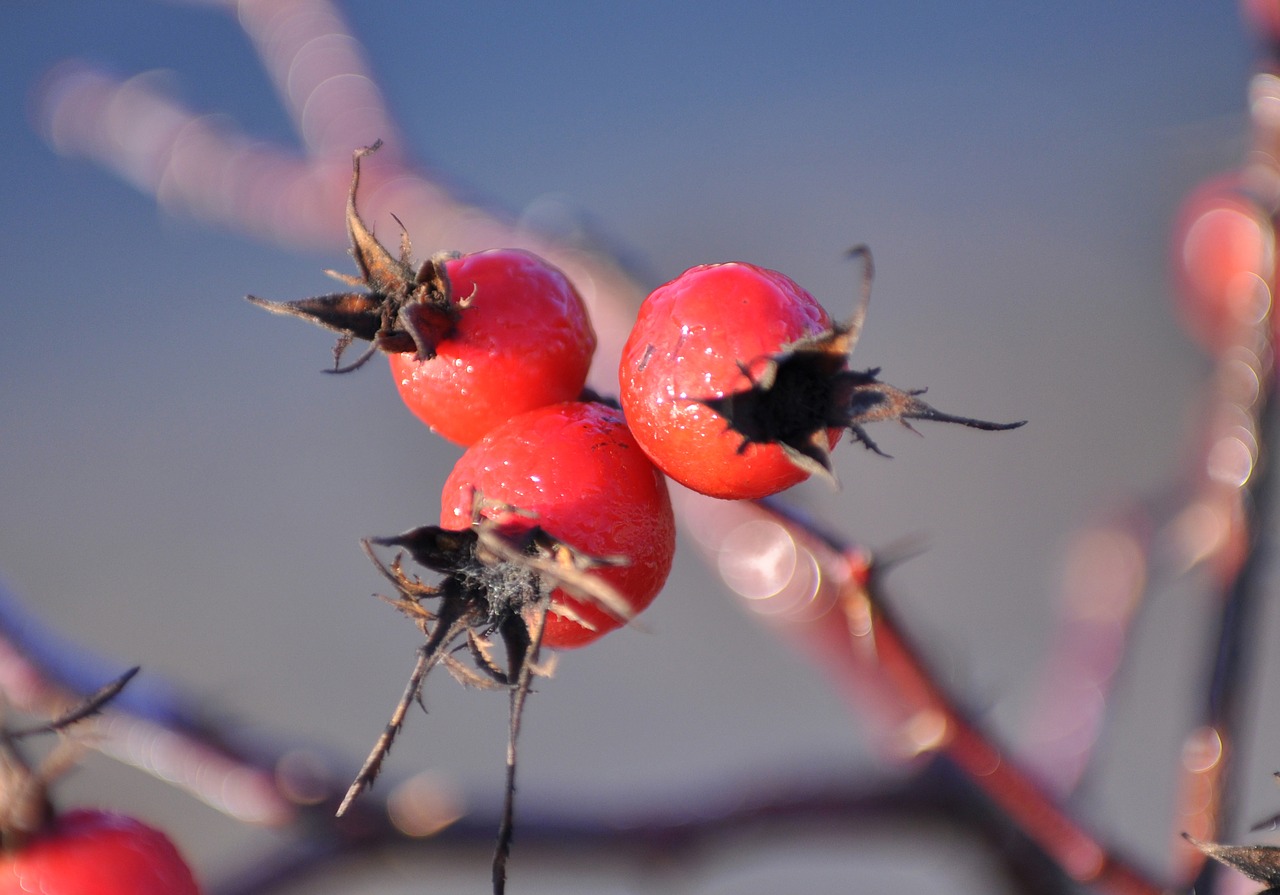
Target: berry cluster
556, 525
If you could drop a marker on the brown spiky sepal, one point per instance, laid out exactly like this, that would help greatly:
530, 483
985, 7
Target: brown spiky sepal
401, 310
496, 582
797, 396
1261, 863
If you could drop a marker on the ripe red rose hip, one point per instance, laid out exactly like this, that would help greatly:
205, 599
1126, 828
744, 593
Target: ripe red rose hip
575, 471
88, 852
473, 340
522, 340
736, 382
690, 340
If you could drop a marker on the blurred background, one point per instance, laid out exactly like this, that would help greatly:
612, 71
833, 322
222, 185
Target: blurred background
181, 488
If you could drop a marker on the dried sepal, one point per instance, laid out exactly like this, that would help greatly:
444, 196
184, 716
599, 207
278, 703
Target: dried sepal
496, 583
556, 564
470, 677
453, 620
796, 397
1261, 863
402, 309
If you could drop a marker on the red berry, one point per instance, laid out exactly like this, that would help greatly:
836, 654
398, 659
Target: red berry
688, 341
96, 853
737, 384
575, 471
1223, 255
522, 340
473, 340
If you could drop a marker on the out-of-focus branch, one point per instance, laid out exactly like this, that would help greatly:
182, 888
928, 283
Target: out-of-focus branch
828, 599
296, 787
1240, 462
203, 166
145, 725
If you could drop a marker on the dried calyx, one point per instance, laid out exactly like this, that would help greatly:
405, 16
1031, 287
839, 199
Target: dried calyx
1261, 863
497, 581
399, 310
796, 397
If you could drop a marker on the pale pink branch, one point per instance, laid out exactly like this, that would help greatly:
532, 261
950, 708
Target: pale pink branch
1104, 583
321, 75
1111, 567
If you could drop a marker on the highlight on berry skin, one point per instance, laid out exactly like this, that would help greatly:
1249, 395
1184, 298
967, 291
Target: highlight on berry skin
736, 381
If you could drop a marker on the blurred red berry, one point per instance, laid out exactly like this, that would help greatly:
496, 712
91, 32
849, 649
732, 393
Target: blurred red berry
1263, 16
87, 852
1223, 261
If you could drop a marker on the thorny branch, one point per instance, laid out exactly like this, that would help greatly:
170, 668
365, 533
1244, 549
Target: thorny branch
836, 613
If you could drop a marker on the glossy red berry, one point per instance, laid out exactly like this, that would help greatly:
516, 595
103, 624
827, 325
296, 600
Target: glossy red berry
574, 470
690, 341
88, 852
522, 339
736, 383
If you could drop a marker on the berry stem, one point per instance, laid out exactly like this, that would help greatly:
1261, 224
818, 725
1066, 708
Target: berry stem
451, 622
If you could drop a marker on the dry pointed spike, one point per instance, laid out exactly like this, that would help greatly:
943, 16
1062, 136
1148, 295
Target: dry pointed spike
922, 411
873, 401
406, 246
1260, 863
569, 614
407, 607
813, 456
854, 327
373, 763
94, 704
522, 662
381, 272
859, 434
428, 655
441, 549
356, 314
410, 587
481, 655
343, 277
469, 677
364, 358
